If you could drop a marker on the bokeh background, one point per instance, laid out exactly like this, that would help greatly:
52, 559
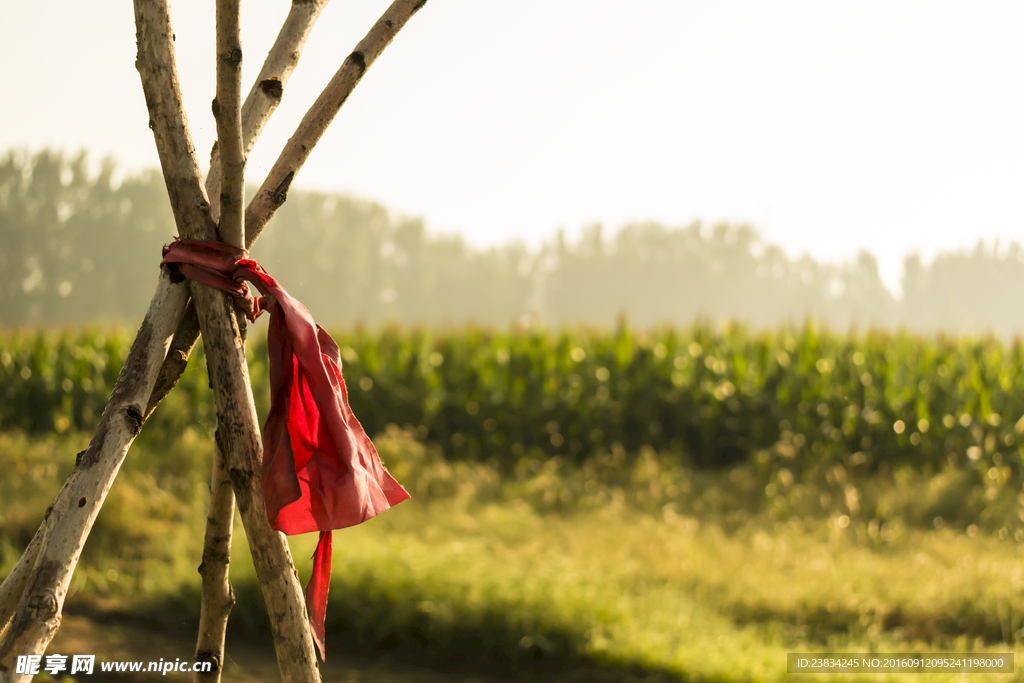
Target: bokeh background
692, 329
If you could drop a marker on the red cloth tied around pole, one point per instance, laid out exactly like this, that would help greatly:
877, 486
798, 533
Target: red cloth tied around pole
320, 470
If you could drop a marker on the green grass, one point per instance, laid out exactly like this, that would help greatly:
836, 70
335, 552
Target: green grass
629, 565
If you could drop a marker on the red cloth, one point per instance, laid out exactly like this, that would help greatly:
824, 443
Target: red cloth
320, 470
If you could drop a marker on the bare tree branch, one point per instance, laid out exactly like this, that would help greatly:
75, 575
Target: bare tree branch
14, 586
227, 112
217, 595
267, 91
274, 191
185, 337
38, 614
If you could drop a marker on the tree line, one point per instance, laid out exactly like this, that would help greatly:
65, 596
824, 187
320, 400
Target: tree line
78, 247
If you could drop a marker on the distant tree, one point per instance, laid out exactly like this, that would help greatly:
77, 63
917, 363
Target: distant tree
966, 291
57, 222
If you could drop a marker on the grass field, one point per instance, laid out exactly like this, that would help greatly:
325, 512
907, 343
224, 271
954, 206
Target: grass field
628, 568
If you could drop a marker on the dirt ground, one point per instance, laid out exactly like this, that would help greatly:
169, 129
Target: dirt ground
114, 635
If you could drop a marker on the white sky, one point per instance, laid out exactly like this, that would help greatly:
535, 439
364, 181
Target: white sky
886, 125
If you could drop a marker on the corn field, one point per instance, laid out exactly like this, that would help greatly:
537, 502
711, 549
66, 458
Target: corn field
713, 396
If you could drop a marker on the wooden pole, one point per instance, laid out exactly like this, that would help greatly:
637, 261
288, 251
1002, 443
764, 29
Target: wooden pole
43, 579
274, 190
227, 110
217, 595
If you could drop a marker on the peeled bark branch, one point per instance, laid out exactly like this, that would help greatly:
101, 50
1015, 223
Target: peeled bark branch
274, 191
185, 337
227, 111
267, 91
14, 585
38, 613
217, 595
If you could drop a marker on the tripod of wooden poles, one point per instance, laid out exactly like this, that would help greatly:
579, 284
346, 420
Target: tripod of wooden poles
32, 595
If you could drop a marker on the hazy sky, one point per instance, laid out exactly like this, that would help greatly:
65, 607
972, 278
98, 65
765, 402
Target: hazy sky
892, 126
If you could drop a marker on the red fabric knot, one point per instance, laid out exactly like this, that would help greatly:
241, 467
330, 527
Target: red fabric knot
320, 470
